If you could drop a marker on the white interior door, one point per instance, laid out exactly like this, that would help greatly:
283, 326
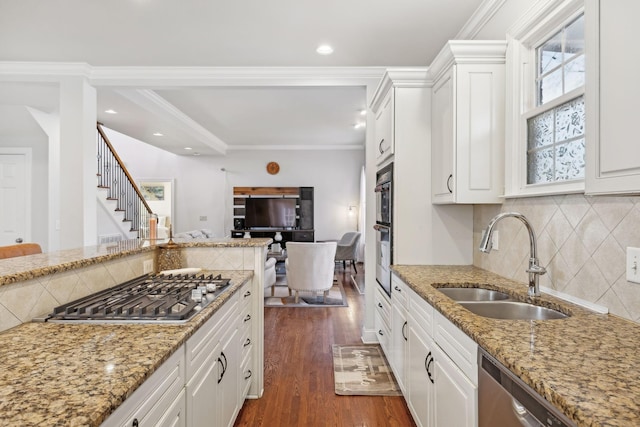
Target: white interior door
14, 198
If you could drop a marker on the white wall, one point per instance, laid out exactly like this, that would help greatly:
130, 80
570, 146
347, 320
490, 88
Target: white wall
19, 129
203, 189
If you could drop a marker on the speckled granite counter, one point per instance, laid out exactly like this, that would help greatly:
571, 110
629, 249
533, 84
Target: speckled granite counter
78, 374
588, 365
28, 267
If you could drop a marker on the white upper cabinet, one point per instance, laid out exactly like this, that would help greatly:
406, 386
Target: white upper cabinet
613, 152
467, 122
384, 129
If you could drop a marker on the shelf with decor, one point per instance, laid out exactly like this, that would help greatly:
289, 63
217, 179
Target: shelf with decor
281, 213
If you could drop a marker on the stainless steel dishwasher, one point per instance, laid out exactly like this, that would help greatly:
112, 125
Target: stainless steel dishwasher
505, 400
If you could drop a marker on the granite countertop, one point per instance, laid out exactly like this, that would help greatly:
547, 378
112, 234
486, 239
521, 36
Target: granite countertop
78, 374
587, 365
31, 266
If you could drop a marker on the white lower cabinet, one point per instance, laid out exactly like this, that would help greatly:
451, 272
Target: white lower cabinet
159, 401
399, 339
455, 396
204, 383
440, 366
420, 386
382, 319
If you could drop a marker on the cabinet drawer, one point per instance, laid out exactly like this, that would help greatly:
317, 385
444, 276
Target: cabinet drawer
246, 375
421, 310
202, 343
303, 236
399, 291
151, 399
461, 349
383, 307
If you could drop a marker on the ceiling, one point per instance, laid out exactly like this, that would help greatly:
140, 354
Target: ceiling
252, 34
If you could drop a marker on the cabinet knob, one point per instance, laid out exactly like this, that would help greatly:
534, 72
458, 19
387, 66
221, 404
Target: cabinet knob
380, 331
380, 304
135, 423
397, 289
247, 294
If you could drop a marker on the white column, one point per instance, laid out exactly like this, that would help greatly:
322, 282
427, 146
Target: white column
78, 185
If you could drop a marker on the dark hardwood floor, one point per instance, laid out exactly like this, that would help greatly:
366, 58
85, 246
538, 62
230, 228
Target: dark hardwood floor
298, 388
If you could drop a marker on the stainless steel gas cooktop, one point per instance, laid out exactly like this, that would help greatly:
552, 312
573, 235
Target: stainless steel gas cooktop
148, 298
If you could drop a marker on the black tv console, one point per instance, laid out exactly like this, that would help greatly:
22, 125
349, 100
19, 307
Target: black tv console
288, 235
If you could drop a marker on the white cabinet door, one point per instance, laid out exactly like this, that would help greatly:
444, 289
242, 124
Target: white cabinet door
229, 381
419, 394
202, 393
455, 397
467, 118
613, 153
384, 129
175, 415
442, 134
398, 343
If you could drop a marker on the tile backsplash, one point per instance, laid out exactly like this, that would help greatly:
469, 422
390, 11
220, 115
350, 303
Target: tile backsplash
582, 243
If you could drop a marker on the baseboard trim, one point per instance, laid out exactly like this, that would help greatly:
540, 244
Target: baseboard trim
369, 336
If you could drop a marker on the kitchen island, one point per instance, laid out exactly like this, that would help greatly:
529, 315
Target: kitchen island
79, 374
586, 365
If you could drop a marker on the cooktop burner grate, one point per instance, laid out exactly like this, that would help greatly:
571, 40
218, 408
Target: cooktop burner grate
154, 298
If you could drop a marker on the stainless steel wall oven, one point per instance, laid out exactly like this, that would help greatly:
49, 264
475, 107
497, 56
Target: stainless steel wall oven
384, 226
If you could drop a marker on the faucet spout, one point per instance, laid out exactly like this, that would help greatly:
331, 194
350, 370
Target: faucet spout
534, 270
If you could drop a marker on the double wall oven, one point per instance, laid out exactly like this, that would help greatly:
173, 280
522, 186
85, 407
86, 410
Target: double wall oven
384, 226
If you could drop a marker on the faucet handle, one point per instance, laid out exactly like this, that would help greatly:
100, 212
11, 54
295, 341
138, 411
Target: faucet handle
536, 269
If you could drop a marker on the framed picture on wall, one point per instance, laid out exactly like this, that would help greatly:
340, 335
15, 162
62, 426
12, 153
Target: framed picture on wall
152, 192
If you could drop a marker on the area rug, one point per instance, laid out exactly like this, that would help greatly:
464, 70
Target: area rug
281, 298
363, 370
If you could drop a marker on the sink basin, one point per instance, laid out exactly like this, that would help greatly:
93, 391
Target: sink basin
512, 310
473, 294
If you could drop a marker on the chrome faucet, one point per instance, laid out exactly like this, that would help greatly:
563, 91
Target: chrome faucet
534, 269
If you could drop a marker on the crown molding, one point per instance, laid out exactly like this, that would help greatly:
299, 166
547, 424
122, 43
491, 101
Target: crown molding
193, 76
467, 52
236, 76
479, 19
543, 17
333, 147
43, 71
151, 101
408, 77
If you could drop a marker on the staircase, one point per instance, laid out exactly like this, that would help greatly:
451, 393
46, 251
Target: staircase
120, 194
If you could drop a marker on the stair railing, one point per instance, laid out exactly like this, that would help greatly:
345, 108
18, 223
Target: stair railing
114, 176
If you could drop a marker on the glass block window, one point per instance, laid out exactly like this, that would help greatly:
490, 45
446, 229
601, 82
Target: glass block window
556, 125
560, 62
555, 144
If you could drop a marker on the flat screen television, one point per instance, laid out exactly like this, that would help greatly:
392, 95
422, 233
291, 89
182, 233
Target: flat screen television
269, 213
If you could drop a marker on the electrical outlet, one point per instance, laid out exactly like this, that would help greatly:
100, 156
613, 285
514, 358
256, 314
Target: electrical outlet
633, 265
495, 240
147, 266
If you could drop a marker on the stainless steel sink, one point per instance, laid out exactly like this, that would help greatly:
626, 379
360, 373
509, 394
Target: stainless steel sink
473, 294
512, 310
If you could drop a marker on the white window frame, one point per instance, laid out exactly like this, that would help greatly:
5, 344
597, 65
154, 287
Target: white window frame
541, 22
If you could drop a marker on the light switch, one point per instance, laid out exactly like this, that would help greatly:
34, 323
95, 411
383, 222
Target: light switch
633, 265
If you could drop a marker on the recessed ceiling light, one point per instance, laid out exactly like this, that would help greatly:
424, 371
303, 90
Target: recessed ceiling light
188, 148
157, 134
324, 49
363, 112
110, 111
359, 125
196, 154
